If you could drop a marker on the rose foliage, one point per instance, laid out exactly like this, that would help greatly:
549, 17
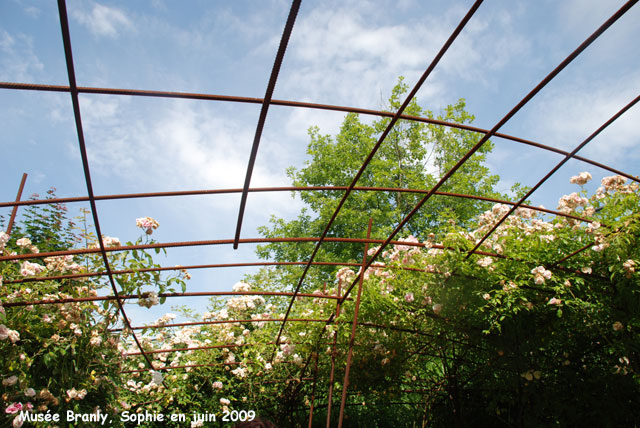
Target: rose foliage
516, 334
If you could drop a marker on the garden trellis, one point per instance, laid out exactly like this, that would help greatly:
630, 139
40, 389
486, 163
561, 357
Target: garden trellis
370, 260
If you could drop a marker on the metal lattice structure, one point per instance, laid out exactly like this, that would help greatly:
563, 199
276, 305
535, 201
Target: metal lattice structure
246, 191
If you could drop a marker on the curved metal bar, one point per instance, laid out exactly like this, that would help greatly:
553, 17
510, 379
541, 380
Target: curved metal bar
285, 189
553, 171
187, 294
194, 323
12, 218
381, 139
216, 242
170, 268
300, 104
284, 40
66, 38
502, 121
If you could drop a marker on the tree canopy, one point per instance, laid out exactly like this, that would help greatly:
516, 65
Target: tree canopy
413, 156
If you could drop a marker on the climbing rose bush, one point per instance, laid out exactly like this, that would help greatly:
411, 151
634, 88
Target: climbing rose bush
63, 356
517, 319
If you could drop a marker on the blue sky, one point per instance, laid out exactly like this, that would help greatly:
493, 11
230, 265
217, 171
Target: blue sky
341, 52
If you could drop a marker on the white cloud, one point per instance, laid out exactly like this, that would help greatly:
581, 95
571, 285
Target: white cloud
338, 56
586, 15
183, 140
182, 145
351, 54
103, 20
18, 61
490, 43
29, 9
580, 18
6, 41
300, 119
565, 116
32, 11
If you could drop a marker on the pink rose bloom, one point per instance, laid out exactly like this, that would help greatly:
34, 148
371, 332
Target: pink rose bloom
4, 332
581, 178
617, 326
555, 301
7, 333
14, 408
4, 238
72, 393
148, 224
613, 182
409, 297
540, 275
30, 269
23, 242
485, 261
287, 349
17, 421
10, 381
110, 241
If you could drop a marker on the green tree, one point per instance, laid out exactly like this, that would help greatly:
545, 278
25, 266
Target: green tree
48, 226
413, 156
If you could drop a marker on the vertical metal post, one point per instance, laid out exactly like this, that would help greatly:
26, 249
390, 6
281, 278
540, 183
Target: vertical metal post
15, 207
333, 359
315, 370
345, 384
313, 391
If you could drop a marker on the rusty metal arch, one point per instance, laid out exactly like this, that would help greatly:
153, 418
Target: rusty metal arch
265, 102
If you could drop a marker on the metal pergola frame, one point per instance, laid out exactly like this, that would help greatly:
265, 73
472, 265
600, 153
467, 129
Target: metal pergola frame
368, 261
